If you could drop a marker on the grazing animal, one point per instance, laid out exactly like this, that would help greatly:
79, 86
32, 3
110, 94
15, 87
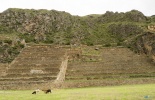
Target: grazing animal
47, 91
35, 91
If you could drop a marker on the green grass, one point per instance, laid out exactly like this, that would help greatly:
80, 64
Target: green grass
90, 51
127, 92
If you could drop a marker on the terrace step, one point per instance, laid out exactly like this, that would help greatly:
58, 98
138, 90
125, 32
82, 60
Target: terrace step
14, 85
31, 66
28, 70
15, 75
46, 78
107, 82
108, 76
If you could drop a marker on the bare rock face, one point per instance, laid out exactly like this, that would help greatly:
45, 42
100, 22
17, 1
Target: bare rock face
146, 44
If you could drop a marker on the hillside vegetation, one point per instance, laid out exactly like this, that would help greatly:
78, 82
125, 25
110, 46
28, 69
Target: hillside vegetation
20, 26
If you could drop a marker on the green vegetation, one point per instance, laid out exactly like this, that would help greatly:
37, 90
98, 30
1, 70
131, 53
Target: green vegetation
90, 51
9, 50
55, 27
127, 92
62, 28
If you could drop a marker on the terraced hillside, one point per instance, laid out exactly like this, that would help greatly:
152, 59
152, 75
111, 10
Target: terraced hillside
109, 66
39, 66
3, 68
35, 66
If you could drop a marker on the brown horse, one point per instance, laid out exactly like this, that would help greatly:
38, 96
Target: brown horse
47, 91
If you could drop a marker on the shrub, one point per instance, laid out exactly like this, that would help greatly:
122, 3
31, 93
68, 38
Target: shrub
119, 44
21, 45
27, 37
8, 41
107, 45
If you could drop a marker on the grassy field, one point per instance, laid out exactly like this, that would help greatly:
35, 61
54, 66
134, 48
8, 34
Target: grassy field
127, 92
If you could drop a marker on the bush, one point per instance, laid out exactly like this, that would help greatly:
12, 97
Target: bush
48, 41
107, 45
90, 44
119, 44
21, 45
8, 41
27, 37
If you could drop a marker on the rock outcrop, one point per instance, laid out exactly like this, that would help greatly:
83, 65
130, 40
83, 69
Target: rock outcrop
145, 44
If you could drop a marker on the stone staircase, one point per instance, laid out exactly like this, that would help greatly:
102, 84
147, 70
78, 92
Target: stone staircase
37, 66
114, 66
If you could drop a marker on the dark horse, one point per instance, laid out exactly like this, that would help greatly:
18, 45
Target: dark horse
47, 91
34, 92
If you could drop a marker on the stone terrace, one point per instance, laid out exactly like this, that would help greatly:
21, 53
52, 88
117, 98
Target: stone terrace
35, 66
113, 66
39, 66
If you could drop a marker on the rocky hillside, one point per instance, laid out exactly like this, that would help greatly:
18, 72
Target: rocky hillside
50, 26
145, 43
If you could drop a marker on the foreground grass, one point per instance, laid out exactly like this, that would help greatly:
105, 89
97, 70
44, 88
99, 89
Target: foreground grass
128, 92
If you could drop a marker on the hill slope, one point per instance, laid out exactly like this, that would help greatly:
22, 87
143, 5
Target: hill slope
55, 27
112, 66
